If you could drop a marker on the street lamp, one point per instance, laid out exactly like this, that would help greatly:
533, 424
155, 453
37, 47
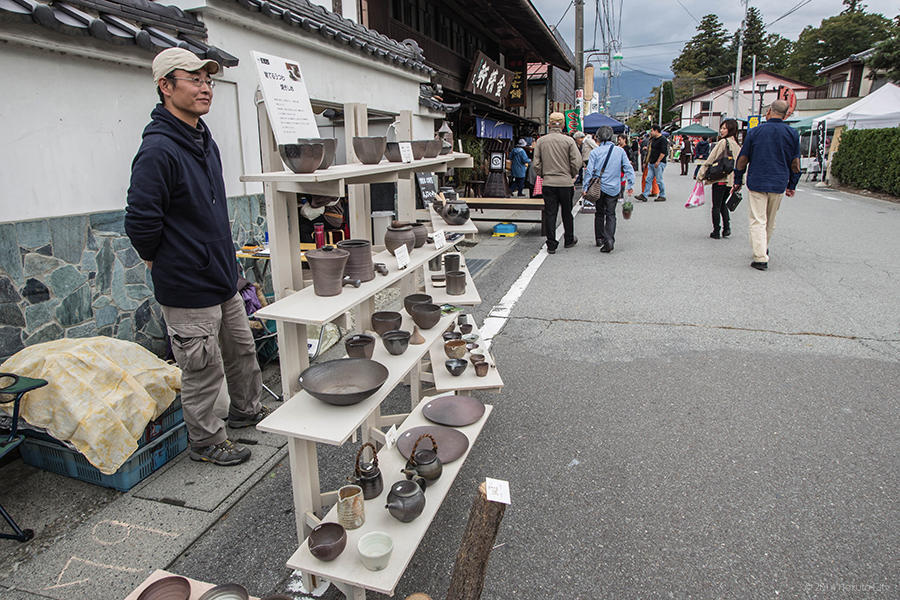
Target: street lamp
761, 86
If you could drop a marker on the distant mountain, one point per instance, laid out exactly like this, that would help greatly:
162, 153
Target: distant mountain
628, 89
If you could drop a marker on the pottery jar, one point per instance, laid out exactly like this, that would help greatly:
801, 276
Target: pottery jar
360, 345
351, 510
455, 213
421, 234
395, 237
359, 265
405, 501
435, 263
481, 368
451, 262
367, 475
456, 283
327, 266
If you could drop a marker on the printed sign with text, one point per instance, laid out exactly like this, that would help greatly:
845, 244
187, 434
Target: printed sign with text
286, 97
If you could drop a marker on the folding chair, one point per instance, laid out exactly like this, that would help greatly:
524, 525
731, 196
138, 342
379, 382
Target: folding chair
18, 388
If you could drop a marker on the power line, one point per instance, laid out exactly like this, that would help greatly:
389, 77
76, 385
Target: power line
655, 44
571, 2
687, 11
797, 7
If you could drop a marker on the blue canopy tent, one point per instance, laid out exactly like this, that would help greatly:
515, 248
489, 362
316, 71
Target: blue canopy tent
595, 121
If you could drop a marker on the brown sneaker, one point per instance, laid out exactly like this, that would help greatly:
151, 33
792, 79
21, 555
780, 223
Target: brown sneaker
240, 421
224, 454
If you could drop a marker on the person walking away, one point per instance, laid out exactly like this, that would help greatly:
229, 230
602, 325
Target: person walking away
772, 152
519, 159
607, 162
622, 142
177, 220
686, 154
725, 147
557, 161
656, 164
701, 153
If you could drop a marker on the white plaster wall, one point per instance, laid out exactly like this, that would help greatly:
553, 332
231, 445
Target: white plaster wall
69, 127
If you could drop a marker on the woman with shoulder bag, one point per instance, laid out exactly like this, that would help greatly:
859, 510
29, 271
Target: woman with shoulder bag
719, 171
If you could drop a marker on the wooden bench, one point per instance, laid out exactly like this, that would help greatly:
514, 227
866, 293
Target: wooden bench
510, 204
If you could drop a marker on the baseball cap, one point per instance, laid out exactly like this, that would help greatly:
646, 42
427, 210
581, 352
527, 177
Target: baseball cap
521, 143
178, 58
557, 116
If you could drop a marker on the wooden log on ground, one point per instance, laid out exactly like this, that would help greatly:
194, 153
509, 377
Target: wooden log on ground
470, 569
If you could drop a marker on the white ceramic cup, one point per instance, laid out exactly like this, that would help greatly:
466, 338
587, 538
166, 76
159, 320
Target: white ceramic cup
375, 550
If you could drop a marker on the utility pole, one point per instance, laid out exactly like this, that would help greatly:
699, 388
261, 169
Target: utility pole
661, 84
735, 104
753, 88
579, 44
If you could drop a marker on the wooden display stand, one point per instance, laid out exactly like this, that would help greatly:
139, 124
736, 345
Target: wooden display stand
307, 421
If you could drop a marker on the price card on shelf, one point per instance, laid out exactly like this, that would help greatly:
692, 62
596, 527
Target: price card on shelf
440, 239
497, 490
402, 256
406, 154
390, 438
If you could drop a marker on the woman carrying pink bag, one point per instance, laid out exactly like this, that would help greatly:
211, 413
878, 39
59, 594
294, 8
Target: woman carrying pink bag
718, 170
698, 196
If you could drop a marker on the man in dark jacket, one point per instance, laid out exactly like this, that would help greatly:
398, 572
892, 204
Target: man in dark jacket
656, 165
701, 153
177, 220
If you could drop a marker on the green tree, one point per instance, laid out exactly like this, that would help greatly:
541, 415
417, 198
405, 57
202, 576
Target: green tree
886, 56
754, 44
853, 6
668, 98
835, 39
778, 53
705, 52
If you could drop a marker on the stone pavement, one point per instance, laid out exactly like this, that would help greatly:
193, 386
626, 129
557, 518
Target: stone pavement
675, 424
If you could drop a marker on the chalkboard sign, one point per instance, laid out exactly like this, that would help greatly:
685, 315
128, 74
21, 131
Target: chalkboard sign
426, 187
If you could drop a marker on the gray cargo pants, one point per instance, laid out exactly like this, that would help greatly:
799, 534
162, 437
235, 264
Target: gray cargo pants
209, 343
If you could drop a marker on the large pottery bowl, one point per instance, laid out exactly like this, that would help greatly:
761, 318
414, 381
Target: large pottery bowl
344, 381
369, 150
392, 152
455, 348
330, 149
456, 366
426, 316
396, 342
302, 158
414, 299
432, 148
167, 588
360, 345
395, 237
419, 147
327, 541
227, 591
386, 320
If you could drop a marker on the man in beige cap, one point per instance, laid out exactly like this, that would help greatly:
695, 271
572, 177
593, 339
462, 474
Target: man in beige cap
177, 220
557, 160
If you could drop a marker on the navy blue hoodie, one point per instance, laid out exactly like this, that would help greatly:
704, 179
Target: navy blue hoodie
177, 215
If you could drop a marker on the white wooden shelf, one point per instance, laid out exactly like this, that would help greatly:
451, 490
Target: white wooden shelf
305, 307
439, 295
308, 418
357, 172
468, 380
347, 568
438, 223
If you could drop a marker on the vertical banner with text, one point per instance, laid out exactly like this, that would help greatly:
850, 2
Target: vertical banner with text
518, 91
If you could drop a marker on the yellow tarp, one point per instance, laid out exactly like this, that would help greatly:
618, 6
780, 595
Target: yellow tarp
101, 394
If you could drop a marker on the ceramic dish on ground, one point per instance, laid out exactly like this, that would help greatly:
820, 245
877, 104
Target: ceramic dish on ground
167, 588
451, 443
453, 411
228, 591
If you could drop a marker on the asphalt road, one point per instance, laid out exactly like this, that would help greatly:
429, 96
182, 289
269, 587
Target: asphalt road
675, 424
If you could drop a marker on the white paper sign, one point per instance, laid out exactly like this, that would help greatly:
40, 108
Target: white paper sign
390, 438
497, 490
440, 240
287, 99
402, 256
406, 153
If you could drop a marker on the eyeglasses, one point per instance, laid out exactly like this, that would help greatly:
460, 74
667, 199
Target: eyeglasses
197, 81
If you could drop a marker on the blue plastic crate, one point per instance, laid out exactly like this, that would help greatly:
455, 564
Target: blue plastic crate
63, 461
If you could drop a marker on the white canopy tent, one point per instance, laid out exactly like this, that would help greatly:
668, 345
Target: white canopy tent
879, 109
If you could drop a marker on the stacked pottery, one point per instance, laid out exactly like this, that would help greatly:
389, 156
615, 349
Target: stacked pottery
359, 265
398, 236
327, 266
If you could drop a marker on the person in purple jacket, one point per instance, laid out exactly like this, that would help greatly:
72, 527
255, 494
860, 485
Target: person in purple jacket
177, 221
772, 151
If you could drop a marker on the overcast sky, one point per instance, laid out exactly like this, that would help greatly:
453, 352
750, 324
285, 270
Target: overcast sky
654, 21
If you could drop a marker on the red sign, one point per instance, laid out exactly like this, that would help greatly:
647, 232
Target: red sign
787, 94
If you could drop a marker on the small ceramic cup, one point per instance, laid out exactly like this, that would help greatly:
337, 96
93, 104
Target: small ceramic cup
375, 550
481, 369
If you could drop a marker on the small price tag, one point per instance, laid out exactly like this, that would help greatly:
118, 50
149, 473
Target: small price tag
497, 490
406, 153
440, 240
402, 256
390, 438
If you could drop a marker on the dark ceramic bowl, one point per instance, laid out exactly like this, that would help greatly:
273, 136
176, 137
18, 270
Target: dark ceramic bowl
456, 366
167, 588
451, 335
465, 328
474, 358
432, 148
455, 348
343, 381
419, 147
392, 152
330, 149
302, 158
426, 316
471, 346
327, 541
386, 320
227, 591
396, 342
412, 299
360, 345
369, 150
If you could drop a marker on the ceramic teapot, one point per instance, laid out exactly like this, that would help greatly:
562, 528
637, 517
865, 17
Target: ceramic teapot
368, 475
406, 500
455, 212
424, 463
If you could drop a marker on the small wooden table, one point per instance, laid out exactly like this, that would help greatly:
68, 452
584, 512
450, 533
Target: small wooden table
508, 204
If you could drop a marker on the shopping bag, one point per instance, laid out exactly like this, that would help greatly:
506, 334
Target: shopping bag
733, 200
698, 196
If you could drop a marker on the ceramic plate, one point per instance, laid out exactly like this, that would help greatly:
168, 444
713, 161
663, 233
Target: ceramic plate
452, 443
453, 411
439, 284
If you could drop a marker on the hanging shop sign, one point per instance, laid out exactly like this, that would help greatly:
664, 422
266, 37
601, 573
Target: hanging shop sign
491, 129
488, 79
518, 90
287, 100
573, 123
787, 94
